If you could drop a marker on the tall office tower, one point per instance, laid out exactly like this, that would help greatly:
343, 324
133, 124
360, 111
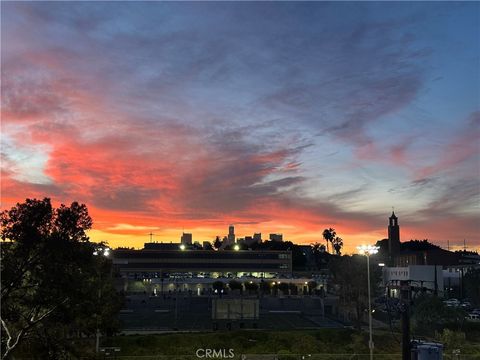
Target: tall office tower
186, 239
231, 234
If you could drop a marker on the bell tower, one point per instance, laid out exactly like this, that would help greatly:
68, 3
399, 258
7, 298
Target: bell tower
393, 237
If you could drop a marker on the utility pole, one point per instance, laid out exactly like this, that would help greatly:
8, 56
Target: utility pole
405, 299
151, 236
370, 341
176, 305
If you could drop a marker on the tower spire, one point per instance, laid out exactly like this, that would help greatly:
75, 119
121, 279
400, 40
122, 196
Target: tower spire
393, 237
393, 212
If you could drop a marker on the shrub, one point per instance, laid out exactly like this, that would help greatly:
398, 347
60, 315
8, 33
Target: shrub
451, 339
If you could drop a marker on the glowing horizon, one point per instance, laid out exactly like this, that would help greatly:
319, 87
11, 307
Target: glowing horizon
275, 117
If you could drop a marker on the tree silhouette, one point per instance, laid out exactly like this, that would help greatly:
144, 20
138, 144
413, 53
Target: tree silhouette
217, 243
218, 285
337, 245
250, 286
472, 285
284, 288
235, 285
329, 235
349, 278
207, 246
320, 255
318, 248
50, 278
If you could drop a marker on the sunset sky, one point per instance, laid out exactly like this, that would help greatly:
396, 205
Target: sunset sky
275, 117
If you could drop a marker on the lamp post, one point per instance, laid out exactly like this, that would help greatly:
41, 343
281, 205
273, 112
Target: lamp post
369, 250
105, 252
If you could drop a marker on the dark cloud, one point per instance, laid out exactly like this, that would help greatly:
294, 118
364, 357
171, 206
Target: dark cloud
454, 198
130, 199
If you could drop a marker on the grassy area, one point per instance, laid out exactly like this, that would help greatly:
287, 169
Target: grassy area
342, 342
339, 341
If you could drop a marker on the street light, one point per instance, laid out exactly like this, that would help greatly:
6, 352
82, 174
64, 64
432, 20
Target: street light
105, 251
236, 247
182, 247
369, 250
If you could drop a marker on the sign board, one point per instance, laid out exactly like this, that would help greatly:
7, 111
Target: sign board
427, 276
235, 309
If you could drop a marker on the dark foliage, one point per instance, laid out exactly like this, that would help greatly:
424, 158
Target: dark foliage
471, 283
349, 278
235, 285
53, 287
429, 314
417, 245
298, 258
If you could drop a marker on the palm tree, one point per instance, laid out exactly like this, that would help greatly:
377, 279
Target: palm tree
329, 235
337, 245
217, 243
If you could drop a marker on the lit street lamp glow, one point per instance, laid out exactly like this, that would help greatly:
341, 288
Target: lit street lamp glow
236, 247
105, 251
369, 250
182, 247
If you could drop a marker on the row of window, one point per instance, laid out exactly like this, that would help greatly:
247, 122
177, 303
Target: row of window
139, 254
248, 267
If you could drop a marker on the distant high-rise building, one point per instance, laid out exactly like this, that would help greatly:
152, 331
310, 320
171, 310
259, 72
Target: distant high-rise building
257, 237
248, 240
225, 243
231, 235
186, 239
276, 237
393, 236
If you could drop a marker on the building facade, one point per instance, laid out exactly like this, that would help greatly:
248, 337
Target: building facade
419, 277
132, 263
276, 237
186, 239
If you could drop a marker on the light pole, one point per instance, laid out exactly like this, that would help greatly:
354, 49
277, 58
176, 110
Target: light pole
369, 250
105, 251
